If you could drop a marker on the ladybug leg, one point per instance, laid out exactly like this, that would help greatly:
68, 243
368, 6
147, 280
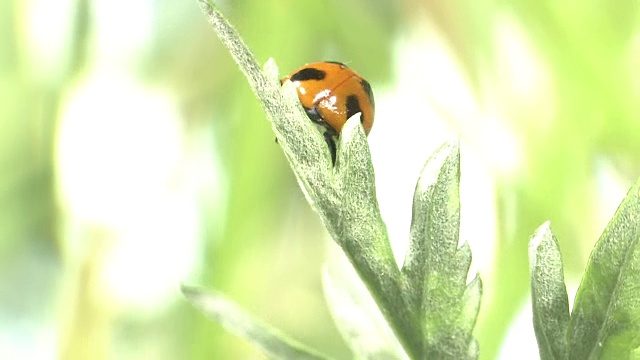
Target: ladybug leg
329, 137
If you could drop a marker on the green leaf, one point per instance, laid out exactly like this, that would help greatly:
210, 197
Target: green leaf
236, 321
548, 294
287, 117
605, 322
435, 269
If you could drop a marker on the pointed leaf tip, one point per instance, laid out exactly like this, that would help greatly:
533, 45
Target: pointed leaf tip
435, 270
550, 305
449, 151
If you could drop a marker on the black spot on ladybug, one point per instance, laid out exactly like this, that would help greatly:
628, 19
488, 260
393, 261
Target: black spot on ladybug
367, 88
309, 74
353, 106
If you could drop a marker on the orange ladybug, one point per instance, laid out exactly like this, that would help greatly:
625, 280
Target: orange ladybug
331, 93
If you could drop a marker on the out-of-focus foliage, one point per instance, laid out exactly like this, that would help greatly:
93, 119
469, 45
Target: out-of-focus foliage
132, 153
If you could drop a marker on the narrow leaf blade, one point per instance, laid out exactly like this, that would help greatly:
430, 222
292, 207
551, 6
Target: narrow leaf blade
237, 321
435, 216
548, 294
435, 268
299, 139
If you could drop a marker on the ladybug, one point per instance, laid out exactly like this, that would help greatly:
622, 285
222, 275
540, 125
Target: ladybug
330, 93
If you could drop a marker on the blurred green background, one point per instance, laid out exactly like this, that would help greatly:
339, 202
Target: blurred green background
133, 157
